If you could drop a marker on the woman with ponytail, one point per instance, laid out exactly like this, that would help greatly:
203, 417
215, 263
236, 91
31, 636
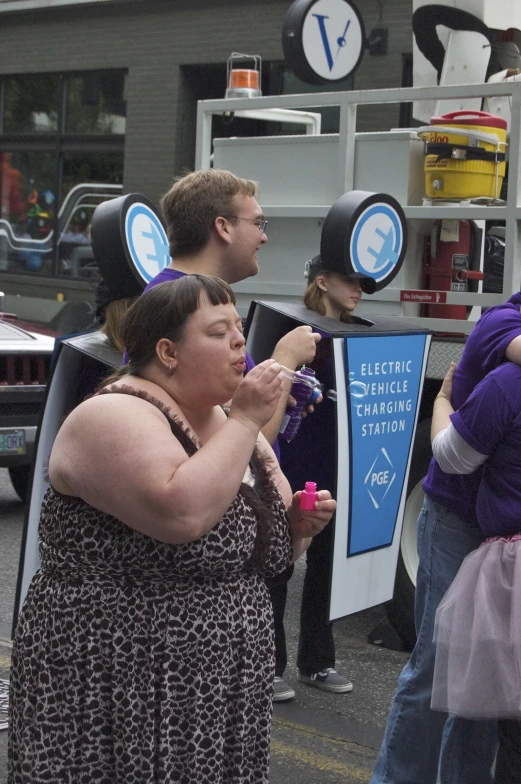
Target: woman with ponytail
336, 296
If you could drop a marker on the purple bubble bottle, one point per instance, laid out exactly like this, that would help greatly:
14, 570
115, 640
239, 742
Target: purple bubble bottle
303, 387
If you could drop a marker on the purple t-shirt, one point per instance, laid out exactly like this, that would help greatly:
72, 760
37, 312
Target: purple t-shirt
167, 275
484, 352
490, 422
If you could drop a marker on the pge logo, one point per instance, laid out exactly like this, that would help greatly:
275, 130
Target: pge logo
380, 478
376, 241
147, 241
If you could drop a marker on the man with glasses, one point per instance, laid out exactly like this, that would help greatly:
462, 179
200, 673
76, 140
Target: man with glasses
215, 226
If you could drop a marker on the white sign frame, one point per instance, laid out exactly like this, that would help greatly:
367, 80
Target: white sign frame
367, 579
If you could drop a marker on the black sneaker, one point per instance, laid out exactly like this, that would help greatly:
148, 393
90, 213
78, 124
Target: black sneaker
282, 692
329, 680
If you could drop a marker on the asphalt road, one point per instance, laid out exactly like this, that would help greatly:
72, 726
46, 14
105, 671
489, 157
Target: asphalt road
317, 738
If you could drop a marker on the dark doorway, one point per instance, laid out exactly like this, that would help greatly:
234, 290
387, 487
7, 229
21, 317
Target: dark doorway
202, 83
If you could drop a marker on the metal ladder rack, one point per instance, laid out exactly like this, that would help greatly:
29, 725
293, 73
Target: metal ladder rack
348, 102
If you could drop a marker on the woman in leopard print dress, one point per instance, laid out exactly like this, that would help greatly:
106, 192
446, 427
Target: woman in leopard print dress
144, 650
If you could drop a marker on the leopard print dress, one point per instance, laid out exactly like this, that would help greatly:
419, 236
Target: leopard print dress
138, 661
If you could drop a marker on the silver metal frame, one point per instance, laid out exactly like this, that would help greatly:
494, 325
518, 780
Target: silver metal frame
348, 103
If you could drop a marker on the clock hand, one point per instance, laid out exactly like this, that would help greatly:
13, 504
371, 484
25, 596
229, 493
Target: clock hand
342, 40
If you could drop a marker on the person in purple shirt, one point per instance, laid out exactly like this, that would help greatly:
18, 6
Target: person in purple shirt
215, 226
477, 672
422, 746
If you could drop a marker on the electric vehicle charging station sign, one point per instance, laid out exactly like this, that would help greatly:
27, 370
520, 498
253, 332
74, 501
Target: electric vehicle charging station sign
376, 241
383, 382
323, 40
129, 243
379, 366
365, 233
147, 241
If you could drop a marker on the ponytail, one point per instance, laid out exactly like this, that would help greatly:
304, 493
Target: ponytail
116, 375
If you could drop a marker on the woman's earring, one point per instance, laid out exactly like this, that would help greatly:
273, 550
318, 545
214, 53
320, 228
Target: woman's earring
170, 370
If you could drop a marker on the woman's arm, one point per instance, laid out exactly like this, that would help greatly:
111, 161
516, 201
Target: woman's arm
303, 525
117, 453
450, 450
453, 454
442, 404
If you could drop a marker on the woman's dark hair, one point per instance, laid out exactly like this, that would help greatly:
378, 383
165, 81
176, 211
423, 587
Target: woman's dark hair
163, 312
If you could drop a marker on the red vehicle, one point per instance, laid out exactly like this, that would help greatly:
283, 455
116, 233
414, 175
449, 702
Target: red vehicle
25, 358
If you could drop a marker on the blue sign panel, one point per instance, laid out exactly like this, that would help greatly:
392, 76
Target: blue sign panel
383, 385
147, 241
377, 241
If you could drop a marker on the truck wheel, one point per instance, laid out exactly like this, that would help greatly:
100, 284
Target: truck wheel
20, 476
400, 610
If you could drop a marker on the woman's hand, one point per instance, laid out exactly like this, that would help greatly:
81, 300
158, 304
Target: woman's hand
256, 397
446, 387
305, 523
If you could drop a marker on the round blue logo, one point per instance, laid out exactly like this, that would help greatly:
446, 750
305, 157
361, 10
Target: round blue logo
376, 241
147, 241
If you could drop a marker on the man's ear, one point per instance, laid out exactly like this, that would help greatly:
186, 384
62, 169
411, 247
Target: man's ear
222, 228
321, 282
166, 353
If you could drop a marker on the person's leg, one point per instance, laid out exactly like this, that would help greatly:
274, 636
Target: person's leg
410, 751
508, 764
468, 750
278, 588
316, 650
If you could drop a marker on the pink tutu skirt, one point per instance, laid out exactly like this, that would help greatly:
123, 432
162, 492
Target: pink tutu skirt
478, 635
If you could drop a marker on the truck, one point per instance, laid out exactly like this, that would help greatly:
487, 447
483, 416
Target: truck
302, 174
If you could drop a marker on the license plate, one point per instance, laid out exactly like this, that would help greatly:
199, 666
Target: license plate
12, 442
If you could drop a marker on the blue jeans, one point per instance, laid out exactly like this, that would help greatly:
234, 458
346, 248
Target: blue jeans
419, 744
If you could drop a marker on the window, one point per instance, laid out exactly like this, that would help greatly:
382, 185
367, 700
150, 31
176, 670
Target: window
61, 154
96, 103
27, 209
31, 104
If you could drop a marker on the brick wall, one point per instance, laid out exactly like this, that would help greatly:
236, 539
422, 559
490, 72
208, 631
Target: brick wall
153, 39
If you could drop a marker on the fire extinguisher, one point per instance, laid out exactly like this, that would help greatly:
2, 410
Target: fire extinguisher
452, 264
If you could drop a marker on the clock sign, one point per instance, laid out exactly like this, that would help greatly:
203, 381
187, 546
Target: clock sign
323, 40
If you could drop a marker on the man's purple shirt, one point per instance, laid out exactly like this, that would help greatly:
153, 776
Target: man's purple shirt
167, 275
484, 352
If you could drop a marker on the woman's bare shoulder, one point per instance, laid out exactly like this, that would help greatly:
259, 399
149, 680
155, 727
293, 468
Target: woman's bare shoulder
109, 437
109, 413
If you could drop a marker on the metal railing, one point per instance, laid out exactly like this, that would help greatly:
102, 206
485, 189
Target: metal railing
349, 101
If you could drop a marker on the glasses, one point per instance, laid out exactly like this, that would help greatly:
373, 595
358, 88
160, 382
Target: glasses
261, 224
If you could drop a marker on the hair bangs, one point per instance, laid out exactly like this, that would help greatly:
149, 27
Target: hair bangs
217, 291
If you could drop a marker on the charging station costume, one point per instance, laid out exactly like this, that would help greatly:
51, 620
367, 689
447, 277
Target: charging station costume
368, 444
